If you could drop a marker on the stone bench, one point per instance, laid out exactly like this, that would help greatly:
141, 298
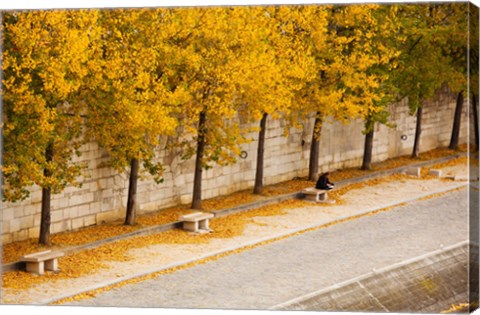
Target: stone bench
317, 195
197, 222
414, 171
41, 261
435, 172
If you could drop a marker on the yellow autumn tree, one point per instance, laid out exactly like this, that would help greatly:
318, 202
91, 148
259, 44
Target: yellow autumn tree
458, 54
46, 56
132, 104
322, 94
434, 53
365, 39
207, 46
277, 62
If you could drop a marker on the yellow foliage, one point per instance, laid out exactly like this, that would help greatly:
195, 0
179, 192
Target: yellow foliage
46, 60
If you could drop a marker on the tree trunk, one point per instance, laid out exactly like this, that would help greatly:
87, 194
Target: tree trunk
457, 119
367, 151
315, 148
418, 133
368, 147
475, 120
197, 180
44, 237
257, 189
132, 193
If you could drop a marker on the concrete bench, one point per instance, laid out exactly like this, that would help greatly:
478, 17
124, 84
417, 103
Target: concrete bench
435, 172
317, 195
414, 171
41, 261
197, 222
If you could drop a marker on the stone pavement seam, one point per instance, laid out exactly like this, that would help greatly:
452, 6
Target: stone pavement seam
248, 244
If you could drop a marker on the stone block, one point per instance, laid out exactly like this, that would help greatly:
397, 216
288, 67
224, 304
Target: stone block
145, 197
208, 184
185, 199
104, 193
120, 181
77, 223
6, 227
235, 168
33, 232
208, 174
36, 219
26, 222
69, 190
103, 183
7, 214
108, 204
81, 199
179, 180
7, 238
105, 172
20, 235
56, 227
14, 225
223, 191
89, 220
189, 178
56, 215
83, 210
62, 203
214, 193
36, 196
71, 212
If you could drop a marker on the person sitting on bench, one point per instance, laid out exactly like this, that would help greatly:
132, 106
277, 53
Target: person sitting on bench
324, 183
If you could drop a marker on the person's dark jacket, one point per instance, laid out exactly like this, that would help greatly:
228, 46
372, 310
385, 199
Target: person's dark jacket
323, 182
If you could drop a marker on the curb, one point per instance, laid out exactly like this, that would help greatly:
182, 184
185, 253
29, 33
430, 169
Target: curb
18, 265
247, 244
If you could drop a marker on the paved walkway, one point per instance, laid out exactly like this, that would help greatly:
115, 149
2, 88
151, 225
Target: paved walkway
268, 275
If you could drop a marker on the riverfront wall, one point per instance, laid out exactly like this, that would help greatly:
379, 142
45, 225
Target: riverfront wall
102, 197
427, 284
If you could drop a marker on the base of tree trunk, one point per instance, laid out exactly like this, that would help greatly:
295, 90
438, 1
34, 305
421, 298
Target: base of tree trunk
258, 186
457, 119
367, 152
315, 149
132, 193
197, 179
418, 133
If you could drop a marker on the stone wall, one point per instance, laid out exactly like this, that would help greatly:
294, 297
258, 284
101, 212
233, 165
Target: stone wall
103, 195
427, 284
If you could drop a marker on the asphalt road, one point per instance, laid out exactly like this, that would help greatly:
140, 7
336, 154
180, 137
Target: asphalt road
268, 275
